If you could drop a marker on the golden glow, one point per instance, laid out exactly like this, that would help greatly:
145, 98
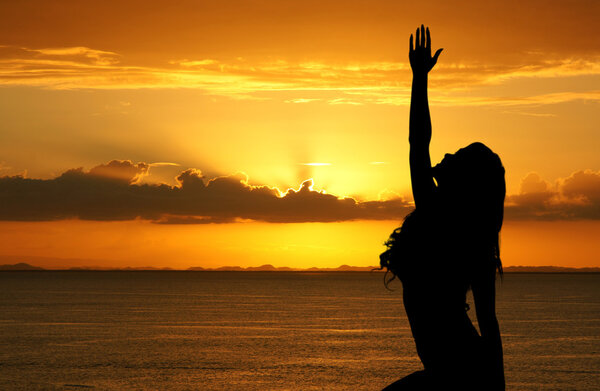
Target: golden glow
571, 244
66, 244
352, 84
136, 243
284, 92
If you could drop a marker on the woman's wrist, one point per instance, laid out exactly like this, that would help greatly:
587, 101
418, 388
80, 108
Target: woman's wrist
419, 73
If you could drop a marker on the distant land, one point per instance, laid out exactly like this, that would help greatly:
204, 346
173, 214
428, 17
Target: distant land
22, 266
271, 268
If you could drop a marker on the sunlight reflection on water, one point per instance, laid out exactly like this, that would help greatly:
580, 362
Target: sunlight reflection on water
268, 331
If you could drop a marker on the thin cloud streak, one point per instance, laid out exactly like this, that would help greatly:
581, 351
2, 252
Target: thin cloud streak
163, 164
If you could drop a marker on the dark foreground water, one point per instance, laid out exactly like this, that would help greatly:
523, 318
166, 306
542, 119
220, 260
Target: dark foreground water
268, 331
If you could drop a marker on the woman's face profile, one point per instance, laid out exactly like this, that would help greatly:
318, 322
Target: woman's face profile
456, 167
443, 172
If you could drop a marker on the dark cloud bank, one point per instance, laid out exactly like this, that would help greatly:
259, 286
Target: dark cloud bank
111, 192
576, 197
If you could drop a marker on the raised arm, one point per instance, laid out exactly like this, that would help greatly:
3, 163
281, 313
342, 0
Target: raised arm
419, 135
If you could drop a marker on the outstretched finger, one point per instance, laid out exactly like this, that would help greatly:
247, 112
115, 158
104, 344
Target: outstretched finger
422, 36
411, 43
428, 44
436, 55
418, 40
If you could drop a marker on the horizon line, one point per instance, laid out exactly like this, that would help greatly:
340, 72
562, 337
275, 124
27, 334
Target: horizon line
22, 266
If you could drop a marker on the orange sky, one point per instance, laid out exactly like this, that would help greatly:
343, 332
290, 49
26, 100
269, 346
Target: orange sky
265, 87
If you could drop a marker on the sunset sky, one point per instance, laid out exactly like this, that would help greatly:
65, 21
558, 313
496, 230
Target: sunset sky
211, 133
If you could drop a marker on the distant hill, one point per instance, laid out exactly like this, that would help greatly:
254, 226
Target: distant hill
263, 268
127, 268
20, 266
271, 268
229, 269
550, 269
37, 260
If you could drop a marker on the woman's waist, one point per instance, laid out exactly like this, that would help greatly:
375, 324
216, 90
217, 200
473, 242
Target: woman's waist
450, 347
450, 301
447, 324
454, 328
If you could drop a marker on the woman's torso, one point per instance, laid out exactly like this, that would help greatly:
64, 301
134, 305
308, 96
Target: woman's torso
435, 283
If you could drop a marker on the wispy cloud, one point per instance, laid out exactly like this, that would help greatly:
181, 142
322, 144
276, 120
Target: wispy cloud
302, 100
532, 100
162, 164
529, 114
385, 83
344, 101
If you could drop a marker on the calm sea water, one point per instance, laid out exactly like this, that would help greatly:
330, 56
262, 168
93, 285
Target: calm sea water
268, 331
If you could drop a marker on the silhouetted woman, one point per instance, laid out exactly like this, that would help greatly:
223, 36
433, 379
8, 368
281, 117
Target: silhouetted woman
446, 246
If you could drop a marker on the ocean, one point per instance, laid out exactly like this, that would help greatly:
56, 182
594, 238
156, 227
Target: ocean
167, 330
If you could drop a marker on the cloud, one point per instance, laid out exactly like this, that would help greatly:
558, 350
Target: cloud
120, 170
334, 83
112, 192
164, 164
343, 101
301, 100
573, 198
508, 101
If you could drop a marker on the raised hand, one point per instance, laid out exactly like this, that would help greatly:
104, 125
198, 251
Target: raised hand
419, 55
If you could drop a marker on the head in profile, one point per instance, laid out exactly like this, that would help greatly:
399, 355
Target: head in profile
471, 187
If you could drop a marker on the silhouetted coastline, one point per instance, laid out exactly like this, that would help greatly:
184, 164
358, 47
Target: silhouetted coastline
22, 266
